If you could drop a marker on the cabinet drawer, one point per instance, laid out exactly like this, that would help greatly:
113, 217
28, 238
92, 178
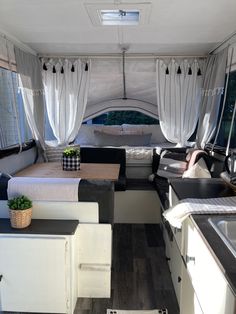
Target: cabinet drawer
211, 287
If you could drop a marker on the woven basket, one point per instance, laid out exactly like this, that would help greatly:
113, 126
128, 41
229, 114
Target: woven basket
20, 218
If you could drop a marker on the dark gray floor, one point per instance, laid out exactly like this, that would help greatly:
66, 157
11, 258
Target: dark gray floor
140, 274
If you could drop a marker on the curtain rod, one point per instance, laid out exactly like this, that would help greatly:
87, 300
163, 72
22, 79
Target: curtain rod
17, 43
119, 55
222, 42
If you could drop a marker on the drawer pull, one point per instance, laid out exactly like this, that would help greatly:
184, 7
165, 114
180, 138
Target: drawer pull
190, 259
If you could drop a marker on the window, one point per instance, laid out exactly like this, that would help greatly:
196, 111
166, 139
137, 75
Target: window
227, 115
123, 117
13, 124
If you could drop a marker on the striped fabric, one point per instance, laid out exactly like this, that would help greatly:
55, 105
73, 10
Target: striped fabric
55, 153
177, 214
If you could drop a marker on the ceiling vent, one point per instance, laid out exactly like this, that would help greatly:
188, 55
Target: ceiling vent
119, 14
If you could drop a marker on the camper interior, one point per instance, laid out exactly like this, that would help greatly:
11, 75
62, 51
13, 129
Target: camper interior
118, 156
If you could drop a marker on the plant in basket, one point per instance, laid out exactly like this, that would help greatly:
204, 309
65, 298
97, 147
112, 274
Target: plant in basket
71, 159
20, 211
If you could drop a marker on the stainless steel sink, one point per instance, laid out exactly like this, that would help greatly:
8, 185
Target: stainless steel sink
226, 229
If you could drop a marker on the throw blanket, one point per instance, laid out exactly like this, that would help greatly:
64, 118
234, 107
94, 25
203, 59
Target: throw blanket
44, 189
177, 214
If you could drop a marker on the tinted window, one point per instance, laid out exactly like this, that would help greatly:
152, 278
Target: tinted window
123, 117
227, 115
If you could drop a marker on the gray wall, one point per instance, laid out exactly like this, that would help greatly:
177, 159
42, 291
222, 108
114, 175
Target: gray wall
12, 164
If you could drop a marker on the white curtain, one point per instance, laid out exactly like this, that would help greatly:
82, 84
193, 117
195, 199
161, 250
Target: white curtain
179, 85
31, 85
213, 88
66, 84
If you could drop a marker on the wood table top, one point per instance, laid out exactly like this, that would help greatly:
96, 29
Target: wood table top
87, 171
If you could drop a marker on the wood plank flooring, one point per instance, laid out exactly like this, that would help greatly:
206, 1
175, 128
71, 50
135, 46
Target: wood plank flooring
140, 274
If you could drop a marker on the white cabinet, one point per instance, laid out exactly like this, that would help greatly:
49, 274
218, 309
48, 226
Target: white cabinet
208, 281
189, 303
176, 265
199, 283
36, 273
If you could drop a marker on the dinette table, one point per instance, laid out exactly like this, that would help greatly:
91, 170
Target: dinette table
89, 171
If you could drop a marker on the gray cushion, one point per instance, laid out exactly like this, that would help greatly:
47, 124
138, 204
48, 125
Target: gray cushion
103, 139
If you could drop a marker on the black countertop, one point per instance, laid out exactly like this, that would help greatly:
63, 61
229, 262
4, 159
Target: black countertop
210, 188
200, 188
41, 226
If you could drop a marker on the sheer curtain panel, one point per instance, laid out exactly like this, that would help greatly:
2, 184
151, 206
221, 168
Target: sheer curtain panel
213, 88
31, 85
179, 85
66, 84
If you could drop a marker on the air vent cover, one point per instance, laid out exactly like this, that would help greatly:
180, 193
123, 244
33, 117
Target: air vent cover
118, 14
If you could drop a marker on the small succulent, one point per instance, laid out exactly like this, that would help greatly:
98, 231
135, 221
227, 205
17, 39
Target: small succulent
71, 152
19, 203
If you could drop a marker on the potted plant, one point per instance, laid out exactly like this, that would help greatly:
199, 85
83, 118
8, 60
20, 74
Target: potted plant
20, 211
71, 159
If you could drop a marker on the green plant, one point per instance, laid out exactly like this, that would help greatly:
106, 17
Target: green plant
71, 152
19, 203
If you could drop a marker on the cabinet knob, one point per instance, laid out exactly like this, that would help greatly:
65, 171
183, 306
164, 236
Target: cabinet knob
190, 259
179, 279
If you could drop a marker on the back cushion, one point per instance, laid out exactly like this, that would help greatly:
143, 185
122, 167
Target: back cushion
155, 130
55, 153
86, 133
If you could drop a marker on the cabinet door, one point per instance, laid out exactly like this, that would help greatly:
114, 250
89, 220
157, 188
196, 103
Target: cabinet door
208, 281
94, 256
176, 265
34, 274
189, 303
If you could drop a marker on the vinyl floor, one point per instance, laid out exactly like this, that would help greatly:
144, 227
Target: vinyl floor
140, 274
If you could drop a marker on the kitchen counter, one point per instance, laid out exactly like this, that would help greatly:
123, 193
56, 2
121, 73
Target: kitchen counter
210, 188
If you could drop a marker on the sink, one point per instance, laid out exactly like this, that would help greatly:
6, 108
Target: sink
226, 229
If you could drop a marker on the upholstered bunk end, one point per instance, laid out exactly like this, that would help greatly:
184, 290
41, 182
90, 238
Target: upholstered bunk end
110, 156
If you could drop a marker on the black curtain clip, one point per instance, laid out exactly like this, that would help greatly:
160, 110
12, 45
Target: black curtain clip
62, 70
199, 73
54, 69
86, 67
45, 67
167, 71
179, 70
72, 68
189, 71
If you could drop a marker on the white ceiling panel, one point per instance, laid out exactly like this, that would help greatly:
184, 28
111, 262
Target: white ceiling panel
64, 27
